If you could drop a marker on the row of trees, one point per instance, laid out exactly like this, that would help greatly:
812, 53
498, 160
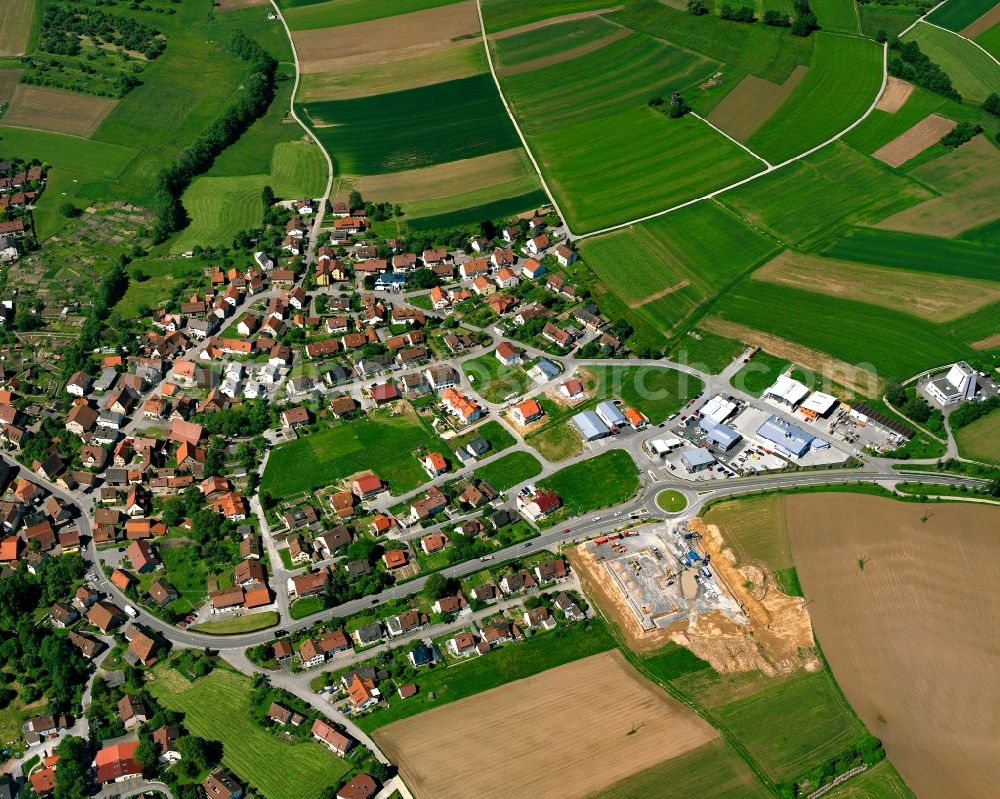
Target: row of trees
909, 62
803, 23
258, 92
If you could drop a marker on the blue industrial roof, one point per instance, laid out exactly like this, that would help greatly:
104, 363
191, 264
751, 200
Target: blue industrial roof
590, 425
720, 434
697, 457
609, 412
787, 437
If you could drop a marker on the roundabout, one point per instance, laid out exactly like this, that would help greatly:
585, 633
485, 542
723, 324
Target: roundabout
671, 501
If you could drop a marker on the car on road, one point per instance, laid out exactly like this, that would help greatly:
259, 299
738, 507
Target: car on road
280, 633
595, 518
565, 530
375, 601
527, 545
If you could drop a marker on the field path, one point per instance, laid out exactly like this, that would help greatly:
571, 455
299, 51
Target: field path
291, 107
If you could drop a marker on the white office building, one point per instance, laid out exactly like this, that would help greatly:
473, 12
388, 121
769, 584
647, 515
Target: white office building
957, 385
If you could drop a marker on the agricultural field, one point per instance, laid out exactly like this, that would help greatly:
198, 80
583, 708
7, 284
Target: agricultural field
16, 20
968, 179
981, 439
472, 215
755, 529
882, 781
338, 452
8, 83
989, 40
501, 15
892, 343
918, 253
876, 571
555, 42
837, 15
612, 169
598, 482
364, 136
705, 351
310, 14
956, 15
807, 203
936, 298
510, 470
601, 692
883, 126
219, 208
217, 707
842, 82
684, 776
752, 102
57, 111
760, 373
911, 143
973, 73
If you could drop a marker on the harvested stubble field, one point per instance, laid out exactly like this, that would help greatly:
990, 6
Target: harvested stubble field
969, 181
57, 111
16, 19
937, 298
542, 724
741, 112
912, 636
307, 14
348, 47
925, 133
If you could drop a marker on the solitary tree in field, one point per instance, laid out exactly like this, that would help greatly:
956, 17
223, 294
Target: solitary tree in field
992, 104
697, 7
267, 198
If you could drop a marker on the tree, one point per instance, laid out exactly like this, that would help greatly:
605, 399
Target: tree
697, 7
267, 198
776, 19
918, 410
895, 394
992, 104
147, 753
71, 776
355, 200
69, 210
436, 587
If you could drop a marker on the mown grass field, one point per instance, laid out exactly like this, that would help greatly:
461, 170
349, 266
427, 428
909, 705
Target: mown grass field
769, 53
881, 127
990, 41
755, 529
520, 48
311, 14
161, 276
413, 128
882, 781
217, 707
981, 439
918, 253
836, 15
794, 724
16, 20
705, 351
896, 345
809, 202
473, 215
598, 482
218, 209
501, 15
492, 380
972, 72
510, 470
380, 443
613, 169
576, 90
956, 14
842, 81
759, 374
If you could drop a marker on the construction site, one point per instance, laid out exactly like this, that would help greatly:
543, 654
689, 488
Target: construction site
677, 582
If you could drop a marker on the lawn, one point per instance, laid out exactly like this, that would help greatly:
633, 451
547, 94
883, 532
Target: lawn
219, 208
760, 373
793, 725
310, 14
636, 162
705, 351
504, 14
599, 482
510, 470
639, 67
492, 431
306, 606
217, 707
381, 443
249, 623
841, 83
807, 203
366, 137
511, 662
558, 442
186, 572
917, 253
493, 381
896, 345
981, 439
956, 14
973, 73
558, 38
671, 501
655, 391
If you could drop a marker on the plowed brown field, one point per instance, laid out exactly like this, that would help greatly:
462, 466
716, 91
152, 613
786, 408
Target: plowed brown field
913, 636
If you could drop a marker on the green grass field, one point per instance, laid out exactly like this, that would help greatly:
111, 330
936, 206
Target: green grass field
956, 14
705, 351
443, 122
881, 781
513, 662
493, 381
310, 14
891, 19
576, 91
417, 218
218, 209
501, 15
981, 439
714, 764
972, 72
841, 83
759, 374
808, 203
895, 344
671, 501
755, 529
614, 169
217, 707
510, 470
881, 127
793, 725
918, 253
381, 443
769, 53
654, 391
494, 432
558, 38
163, 275
598, 482
249, 623
990, 41
836, 15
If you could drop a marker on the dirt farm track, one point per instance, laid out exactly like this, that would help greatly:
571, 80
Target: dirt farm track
913, 637
564, 732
